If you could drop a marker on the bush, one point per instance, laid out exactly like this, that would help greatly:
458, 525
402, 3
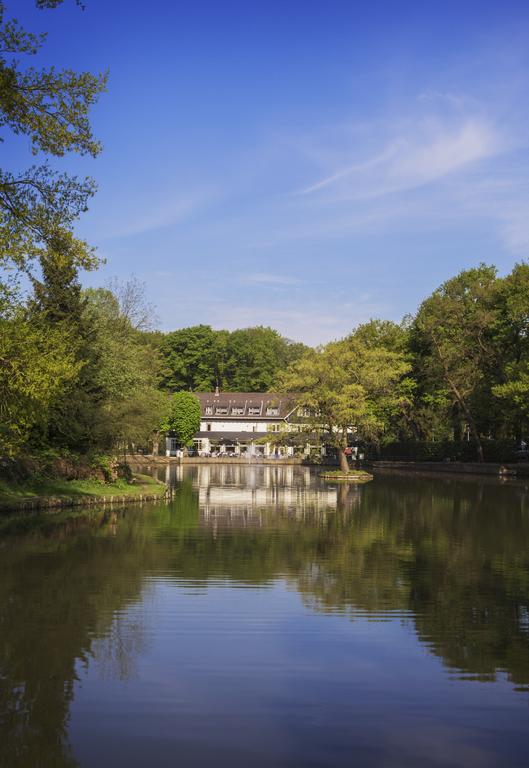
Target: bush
123, 472
446, 450
102, 465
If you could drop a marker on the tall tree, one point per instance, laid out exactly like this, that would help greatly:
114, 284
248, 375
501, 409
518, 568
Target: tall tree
193, 359
255, 355
512, 342
349, 385
36, 367
246, 360
455, 326
50, 107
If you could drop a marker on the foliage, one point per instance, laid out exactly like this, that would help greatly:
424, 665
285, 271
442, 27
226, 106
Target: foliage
38, 206
512, 389
356, 384
455, 327
192, 359
36, 368
254, 356
183, 417
246, 360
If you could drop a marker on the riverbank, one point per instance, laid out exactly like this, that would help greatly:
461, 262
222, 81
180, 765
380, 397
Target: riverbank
58, 493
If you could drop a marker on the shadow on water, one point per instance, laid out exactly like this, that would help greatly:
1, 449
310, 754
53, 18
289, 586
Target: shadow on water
449, 557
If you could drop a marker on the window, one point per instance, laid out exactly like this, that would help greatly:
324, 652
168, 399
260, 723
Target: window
274, 427
208, 427
304, 411
237, 411
272, 411
254, 411
221, 411
209, 410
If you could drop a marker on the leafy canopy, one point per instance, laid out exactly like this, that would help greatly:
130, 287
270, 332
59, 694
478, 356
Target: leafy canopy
50, 108
183, 417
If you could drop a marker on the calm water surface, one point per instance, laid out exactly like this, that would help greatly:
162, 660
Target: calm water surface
267, 618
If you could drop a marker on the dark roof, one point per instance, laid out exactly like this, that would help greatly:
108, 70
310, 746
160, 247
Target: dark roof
246, 402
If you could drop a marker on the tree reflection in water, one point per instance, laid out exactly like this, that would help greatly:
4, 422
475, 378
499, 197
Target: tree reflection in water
449, 556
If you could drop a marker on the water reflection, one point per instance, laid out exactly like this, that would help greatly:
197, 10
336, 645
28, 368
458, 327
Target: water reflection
448, 558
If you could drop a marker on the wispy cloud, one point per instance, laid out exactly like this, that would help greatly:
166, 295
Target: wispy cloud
421, 154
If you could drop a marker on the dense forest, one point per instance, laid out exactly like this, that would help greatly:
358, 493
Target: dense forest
83, 371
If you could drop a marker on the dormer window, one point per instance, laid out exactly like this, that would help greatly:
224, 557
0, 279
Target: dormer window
237, 411
304, 411
272, 411
209, 410
221, 411
254, 410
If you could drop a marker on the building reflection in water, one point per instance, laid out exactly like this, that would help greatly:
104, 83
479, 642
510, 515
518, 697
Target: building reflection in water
240, 496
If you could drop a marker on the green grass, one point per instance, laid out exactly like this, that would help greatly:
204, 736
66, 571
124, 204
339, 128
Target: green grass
354, 474
144, 484
351, 472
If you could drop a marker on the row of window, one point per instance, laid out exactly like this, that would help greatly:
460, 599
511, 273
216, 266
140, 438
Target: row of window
237, 410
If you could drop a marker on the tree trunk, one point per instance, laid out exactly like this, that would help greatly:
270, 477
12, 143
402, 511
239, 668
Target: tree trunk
344, 465
473, 429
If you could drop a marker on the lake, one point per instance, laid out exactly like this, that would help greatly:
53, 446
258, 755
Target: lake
264, 617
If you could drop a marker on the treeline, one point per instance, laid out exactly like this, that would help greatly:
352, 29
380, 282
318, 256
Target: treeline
77, 374
456, 373
246, 360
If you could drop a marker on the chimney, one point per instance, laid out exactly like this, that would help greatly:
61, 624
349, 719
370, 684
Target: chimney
217, 392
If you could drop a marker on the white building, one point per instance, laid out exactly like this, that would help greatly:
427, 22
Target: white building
244, 423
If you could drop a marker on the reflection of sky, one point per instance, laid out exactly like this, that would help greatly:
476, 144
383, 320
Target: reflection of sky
233, 674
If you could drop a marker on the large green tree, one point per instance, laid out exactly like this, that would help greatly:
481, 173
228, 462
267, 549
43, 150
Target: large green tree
36, 369
246, 360
49, 109
354, 384
254, 356
512, 341
183, 417
193, 359
455, 330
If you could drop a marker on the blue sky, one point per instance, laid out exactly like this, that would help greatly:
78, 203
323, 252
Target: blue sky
304, 165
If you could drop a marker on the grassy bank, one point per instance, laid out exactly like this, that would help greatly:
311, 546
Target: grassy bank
44, 492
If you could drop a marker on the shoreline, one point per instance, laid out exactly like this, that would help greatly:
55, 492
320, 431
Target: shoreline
153, 490
492, 469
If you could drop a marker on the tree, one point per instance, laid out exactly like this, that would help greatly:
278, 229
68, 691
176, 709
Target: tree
114, 400
246, 360
120, 377
39, 206
455, 327
255, 355
36, 368
192, 359
134, 307
512, 342
183, 418
349, 385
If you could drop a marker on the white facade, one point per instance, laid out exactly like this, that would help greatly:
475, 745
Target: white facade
244, 424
